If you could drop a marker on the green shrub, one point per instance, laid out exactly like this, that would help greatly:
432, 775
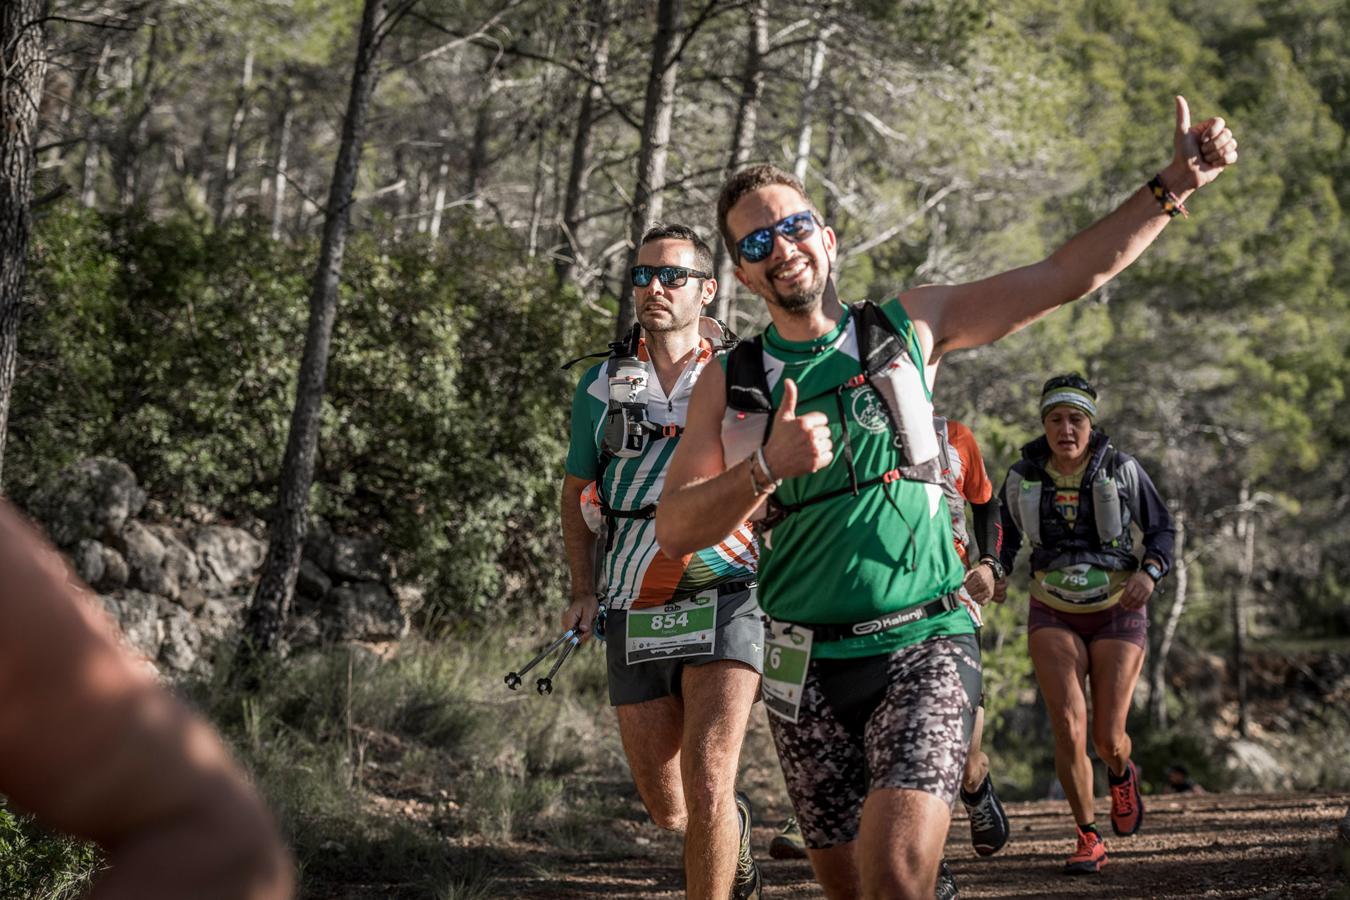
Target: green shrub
36, 865
175, 349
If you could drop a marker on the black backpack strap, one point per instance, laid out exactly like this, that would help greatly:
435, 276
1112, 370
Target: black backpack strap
596, 355
625, 346
747, 382
878, 341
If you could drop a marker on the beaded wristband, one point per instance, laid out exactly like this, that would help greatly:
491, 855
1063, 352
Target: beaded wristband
1166, 199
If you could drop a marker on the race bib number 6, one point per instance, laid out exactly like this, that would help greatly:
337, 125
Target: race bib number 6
787, 653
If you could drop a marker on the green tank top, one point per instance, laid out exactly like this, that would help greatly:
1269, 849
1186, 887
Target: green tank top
853, 558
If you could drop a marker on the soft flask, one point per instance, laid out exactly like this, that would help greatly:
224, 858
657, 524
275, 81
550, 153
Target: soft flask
625, 420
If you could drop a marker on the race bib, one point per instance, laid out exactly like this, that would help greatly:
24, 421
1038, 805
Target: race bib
681, 628
787, 652
1081, 584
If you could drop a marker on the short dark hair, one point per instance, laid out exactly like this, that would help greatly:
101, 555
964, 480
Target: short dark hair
752, 179
671, 231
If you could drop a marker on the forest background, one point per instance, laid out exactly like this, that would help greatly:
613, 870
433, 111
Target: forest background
512, 151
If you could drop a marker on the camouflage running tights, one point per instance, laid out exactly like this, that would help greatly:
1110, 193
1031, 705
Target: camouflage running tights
901, 720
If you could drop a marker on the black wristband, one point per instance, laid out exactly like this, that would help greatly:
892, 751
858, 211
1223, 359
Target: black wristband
994, 566
1169, 201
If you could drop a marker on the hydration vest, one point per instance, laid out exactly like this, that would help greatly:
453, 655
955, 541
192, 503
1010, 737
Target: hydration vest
887, 368
628, 432
1110, 516
951, 476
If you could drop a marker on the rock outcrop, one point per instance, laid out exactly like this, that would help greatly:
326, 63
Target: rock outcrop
178, 591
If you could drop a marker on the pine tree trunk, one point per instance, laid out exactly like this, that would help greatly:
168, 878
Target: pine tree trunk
815, 69
438, 204
23, 68
830, 209
478, 150
569, 239
1157, 678
132, 137
742, 143
1238, 609
657, 115
279, 167
543, 153
232, 139
92, 136
272, 598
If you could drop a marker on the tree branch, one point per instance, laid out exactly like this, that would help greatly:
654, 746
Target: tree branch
891, 232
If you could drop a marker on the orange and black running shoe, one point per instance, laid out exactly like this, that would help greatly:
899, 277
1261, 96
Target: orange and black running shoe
1127, 806
1090, 856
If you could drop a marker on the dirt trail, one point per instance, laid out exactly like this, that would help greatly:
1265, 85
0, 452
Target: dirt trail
1212, 845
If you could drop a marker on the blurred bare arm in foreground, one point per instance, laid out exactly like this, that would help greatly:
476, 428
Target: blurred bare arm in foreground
91, 745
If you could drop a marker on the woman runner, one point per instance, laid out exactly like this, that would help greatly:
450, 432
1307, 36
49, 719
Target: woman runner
1074, 497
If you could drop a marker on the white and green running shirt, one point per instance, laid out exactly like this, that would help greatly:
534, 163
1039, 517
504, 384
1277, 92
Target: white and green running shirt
636, 573
853, 558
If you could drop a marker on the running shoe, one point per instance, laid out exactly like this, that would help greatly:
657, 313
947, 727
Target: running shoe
1127, 806
988, 822
946, 883
1090, 856
747, 884
788, 843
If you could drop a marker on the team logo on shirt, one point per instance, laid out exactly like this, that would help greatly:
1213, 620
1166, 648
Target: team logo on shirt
868, 409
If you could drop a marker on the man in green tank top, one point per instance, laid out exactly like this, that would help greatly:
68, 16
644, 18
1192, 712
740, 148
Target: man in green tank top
871, 674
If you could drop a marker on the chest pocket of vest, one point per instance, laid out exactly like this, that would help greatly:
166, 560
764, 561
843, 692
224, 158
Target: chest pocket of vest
905, 399
1029, 510
1108, 511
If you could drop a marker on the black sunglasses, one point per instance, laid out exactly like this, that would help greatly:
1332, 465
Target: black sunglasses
669, 276
757, 245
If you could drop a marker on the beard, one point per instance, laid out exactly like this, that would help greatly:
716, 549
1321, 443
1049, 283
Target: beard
675, 320
804, 298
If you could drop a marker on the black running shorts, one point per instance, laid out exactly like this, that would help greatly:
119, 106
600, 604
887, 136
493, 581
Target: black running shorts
901, 720
740, 637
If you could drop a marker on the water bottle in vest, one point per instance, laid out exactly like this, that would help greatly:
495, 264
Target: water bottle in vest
625, 435
1106, 509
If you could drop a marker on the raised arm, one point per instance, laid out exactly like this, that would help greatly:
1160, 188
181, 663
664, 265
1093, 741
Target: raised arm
952, 317
91, 745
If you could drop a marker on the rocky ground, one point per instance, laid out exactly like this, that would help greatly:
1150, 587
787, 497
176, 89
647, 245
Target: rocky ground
1211, 845
1222, 845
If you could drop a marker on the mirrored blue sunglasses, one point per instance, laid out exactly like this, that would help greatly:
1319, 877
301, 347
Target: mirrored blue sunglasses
757, 245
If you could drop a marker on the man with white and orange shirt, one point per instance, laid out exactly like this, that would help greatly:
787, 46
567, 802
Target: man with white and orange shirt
965, 479
684, 640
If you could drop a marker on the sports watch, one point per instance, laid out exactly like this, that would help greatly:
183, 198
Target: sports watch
1152, 570
994, 566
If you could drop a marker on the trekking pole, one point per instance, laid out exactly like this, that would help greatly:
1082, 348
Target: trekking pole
513, 678
545, 685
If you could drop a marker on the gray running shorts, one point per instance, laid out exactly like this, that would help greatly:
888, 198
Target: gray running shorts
740, 636
901, 720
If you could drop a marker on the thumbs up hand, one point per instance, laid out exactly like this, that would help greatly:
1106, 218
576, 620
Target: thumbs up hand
798, 445
1202, 151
